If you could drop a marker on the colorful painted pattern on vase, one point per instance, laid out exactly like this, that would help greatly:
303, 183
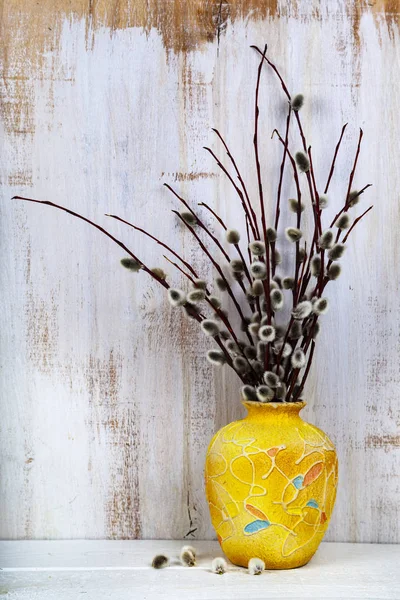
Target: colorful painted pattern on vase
271, 485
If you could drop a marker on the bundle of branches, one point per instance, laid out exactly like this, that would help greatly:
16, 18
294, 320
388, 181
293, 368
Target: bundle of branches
272, 359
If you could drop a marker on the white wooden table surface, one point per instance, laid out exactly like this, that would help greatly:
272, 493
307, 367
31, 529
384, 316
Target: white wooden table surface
120, 570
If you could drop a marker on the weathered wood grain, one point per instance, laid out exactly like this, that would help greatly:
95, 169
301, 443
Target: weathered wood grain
107, 402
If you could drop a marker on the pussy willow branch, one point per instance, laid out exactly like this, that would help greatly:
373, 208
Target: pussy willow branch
104, 231
266, 282
298, 120
334, 159
237, 247
200, 222
132, 255
298, 222
240, 254
237, 189
306, 372
355, 223
249, 204
282, 168
218, 311
220, 271
187, 265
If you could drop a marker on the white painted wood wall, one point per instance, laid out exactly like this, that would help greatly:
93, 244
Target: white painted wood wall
107, 404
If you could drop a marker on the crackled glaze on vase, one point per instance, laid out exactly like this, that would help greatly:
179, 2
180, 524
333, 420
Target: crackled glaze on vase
271, 485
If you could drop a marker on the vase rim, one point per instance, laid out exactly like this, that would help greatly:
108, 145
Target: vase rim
274, 405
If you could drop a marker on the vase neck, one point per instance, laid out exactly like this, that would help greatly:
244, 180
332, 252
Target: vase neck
268, 410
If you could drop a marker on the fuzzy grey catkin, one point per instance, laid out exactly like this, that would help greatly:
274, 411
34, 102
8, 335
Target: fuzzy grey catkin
278, 280
271, 379
257, 288
261, 350
288, 283
321, 306
302, 254
273, 285
315, 330
131, 264
284, 349
258, 270
257, 248
257, 366
160, 561
254, 328
266, 333
302, 162
216, 357
256, 566
334, 271
297, 102
232, 347
315, 265
190, 549
224, 335
326, 240
302, 310
232, 236
250, 352
160, 273
210, 327
353, 198
199, 283
255, 317
276, 299
298, 359
214, 301
187, 557
264, 393
237, 265
241, 364
221, 284
219, 566
196, 295
191, 310
295, 331
176, 297
280, 331
280, 391
249, 393
313, 327
343, 222
295, 205
336, 252
271, 234
237, 276
279, 370
293, 234
189, 218
323, 201
277, 257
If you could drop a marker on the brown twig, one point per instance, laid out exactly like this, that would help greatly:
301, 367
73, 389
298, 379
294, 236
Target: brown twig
334, 159
200, 222
238, 190
249, 204
266, 282
187, 265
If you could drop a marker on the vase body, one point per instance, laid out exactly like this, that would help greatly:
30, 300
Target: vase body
271, 485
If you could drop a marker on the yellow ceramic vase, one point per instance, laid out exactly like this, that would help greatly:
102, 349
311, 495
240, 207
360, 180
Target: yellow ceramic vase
271, 485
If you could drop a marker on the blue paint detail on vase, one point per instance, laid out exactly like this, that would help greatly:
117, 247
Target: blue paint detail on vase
298, 482
312, 503
255, 526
